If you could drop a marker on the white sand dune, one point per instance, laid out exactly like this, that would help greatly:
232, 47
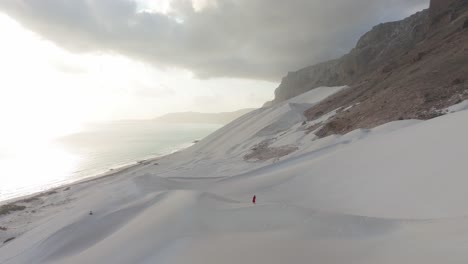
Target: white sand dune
393, 194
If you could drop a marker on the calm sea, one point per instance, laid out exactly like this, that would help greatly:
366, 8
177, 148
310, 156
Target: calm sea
95, 150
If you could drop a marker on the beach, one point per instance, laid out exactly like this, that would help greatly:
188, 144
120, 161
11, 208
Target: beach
37, 165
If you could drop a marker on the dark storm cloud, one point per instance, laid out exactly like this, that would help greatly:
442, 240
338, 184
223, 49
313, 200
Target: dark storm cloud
259, 39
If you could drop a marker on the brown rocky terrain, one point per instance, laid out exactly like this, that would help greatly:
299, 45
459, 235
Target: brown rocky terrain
263, 151
399, 70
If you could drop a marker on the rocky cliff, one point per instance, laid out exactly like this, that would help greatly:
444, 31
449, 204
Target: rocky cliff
378, 45
440, 6
398, 70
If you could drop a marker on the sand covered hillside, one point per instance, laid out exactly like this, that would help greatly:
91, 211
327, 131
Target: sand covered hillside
393, 194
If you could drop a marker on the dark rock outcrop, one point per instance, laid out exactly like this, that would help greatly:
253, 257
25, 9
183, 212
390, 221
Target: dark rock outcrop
440, 8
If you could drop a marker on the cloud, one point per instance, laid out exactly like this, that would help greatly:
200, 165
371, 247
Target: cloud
152, 91
256, 39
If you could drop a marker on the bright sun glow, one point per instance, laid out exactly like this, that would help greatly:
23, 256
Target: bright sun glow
47, 92
49, 88
164, 6
35, 168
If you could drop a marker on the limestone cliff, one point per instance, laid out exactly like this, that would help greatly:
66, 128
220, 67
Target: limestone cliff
398, 70
380, 44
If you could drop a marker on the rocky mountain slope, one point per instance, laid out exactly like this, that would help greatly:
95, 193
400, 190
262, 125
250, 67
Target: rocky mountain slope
398, 70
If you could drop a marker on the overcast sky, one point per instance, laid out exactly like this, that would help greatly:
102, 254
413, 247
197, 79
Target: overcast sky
88, 60
258, 39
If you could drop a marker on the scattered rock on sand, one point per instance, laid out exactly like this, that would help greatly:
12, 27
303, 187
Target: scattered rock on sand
8, 208
263, 151
28, 200
8, 240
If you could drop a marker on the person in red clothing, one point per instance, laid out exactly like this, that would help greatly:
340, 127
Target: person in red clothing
254, 199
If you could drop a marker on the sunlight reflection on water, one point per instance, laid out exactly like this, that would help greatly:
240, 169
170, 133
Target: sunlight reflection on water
32, 164
34, 169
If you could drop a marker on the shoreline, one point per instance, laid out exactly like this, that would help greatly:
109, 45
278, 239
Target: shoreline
18, 215
38, 194
99, 176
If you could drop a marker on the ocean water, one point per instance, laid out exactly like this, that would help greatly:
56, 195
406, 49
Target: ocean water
95, 150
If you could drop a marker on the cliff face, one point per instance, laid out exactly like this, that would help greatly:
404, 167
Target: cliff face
377, 47
398, 70
380, 44
444, 11
440, 6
